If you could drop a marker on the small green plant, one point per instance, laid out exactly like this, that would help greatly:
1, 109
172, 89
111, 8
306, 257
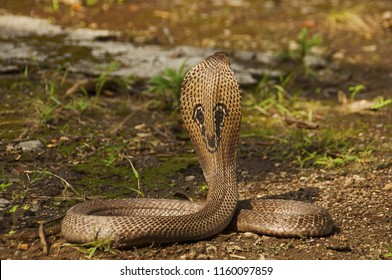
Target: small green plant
55, 5
330, 162
169, 82
307, 43
80, 104
26, 72
91, 2
304, 44
203, 188
4, 185
389, 254
354, 90
4, 181
137, 176
380, 102
105, 76
13, 209
38, 175
326, 148
274, 96
92, 247
112, 159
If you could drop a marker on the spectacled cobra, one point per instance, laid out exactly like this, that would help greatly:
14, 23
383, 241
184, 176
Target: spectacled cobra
211, 109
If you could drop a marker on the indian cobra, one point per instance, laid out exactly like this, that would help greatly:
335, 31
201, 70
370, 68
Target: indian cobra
211, 108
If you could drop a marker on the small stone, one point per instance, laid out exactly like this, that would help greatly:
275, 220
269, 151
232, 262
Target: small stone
17, 253
244, 55
3, 202
388, 187
211, 248
265, 238
370, 48
387, 15
233, 248
23, 246
268, 57
140, 126
313, 61
30, 146
250, 235
202, 257
189, 178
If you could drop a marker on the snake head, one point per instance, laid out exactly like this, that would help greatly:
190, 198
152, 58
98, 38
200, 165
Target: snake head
211, 108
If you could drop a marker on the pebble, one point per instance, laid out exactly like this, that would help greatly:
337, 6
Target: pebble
388, 187
3, 202
250, 235
211, 248
313, 61
233, 248
387, 15
17, 253
30, 146
202, 257
189, 178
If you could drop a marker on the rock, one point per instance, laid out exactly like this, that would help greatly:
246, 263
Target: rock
313, 61
23, 246
244, 55
268, 57
233, 248
250, 235
387, 15
30, 146
189, 178
17, 253
3, 202
211, 248
388, 187
202, 257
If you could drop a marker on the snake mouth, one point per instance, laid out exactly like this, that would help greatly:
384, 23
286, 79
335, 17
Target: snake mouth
219, 113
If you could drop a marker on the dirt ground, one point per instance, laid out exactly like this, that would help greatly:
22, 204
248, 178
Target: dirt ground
86, 152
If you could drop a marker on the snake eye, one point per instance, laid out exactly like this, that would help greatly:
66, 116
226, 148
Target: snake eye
198, 114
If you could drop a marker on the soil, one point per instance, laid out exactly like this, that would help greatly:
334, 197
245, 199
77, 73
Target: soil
86, 153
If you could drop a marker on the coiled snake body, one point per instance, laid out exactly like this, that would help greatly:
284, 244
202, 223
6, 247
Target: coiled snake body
211, 108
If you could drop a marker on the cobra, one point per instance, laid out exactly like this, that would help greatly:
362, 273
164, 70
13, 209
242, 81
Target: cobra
211, 109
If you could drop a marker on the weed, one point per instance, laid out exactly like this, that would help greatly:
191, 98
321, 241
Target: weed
330, 162
137, 176
13, 209
307, 43
91, 248
326, 148
104, 77
303, 45
274, 96
4, 185
168, 83
389, 254
203, 188
112, 159
26, 72
38, 175
380, 102
4, 181
354, 90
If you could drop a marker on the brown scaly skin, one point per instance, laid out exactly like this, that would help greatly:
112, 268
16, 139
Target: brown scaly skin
211, 108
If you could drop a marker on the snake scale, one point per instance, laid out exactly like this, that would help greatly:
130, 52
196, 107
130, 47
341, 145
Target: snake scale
211, 109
